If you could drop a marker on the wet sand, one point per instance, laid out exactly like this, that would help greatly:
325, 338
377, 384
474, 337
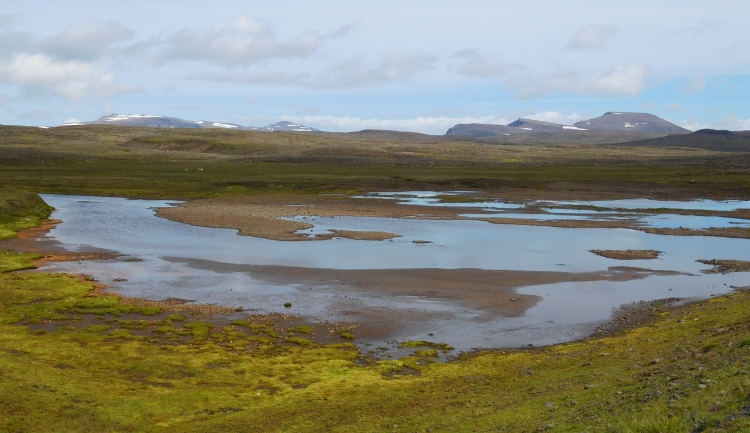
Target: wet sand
628, 254
722, 232
726, 266
267, 216
484, 292
262, 215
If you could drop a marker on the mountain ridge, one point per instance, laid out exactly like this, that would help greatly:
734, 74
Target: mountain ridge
609, 121
156, 121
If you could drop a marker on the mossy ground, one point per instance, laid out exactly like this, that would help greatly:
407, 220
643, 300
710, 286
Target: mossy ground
74, 360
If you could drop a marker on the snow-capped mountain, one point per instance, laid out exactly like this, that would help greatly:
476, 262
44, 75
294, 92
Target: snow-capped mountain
153, 121
520, 126
621, 121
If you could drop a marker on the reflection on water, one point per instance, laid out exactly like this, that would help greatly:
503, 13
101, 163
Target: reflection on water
567, 310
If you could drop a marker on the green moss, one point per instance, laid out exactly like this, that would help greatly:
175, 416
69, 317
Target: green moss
347, 335
14, 261
98, 328
426, 353
300, 341
304, 329
422, 343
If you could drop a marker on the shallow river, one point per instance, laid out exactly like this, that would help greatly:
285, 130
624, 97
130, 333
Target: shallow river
185, 261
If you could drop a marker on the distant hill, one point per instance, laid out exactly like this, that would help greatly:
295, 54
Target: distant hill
711, 139
153, 121
610, 121
621, 121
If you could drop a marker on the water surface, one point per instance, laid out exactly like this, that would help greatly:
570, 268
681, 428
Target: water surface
172, 251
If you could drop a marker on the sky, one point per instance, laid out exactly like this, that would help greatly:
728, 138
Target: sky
408, 65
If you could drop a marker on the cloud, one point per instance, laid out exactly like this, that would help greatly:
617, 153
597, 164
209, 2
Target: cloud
626, 80
243, 42
698, 29
83, 40
696, 85
691, 123
474, 64
676, 107
555, 117
342, 30
39, 74
733, 123
36, 114
7, 21
392, 67
592, 37
86, 40
14, 42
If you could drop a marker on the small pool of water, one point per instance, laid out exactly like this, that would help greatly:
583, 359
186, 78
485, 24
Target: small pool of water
644, 203
608, 209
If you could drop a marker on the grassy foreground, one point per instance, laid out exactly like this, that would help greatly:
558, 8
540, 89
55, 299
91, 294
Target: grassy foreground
74, 360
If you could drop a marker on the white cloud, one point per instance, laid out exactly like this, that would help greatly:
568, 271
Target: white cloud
426, 125
342, 30
627, 80
86, 40
555, 117
392, 67
243, 42
7, 21
36, 114
696, 85
474, 64
592, 37
675, 107
691, 123
733, 123
349, 74
40, 74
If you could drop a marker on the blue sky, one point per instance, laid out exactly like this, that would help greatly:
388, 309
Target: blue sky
408, 65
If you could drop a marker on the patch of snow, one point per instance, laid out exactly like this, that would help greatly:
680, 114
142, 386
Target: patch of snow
116, 117
223, 125
43, 127
528, 129
71, 124
575, 128
199, 122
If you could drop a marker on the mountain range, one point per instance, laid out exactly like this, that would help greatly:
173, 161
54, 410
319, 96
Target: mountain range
152, 121
610, 121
